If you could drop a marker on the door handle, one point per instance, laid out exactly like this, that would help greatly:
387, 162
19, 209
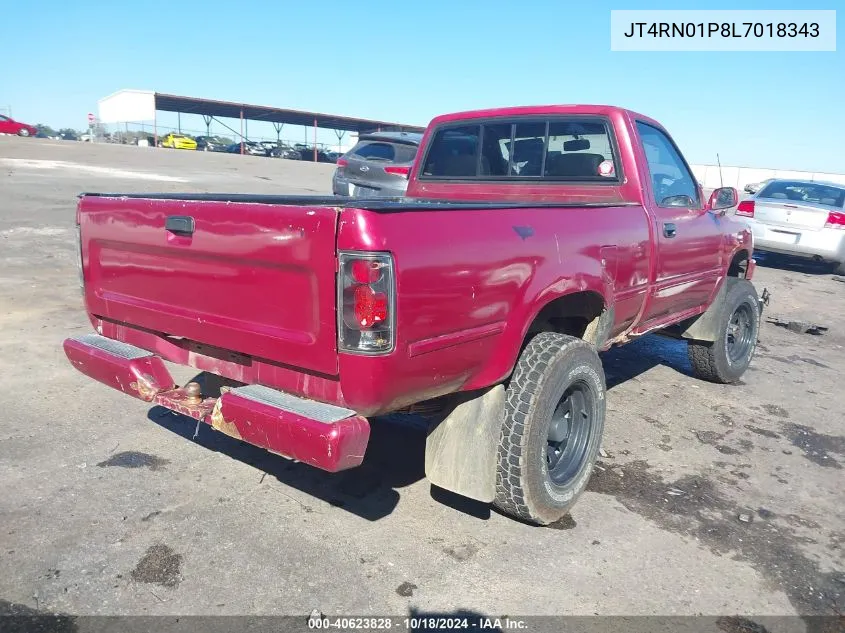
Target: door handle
669, 229
180, 224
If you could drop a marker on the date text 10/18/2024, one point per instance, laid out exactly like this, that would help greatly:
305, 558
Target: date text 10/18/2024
418, 623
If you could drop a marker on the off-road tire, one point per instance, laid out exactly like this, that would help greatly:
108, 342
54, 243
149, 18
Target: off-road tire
549, 365
710, 360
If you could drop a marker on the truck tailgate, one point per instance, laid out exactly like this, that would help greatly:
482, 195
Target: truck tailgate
253, 278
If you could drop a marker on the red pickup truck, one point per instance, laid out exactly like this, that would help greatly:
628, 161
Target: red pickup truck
529, 240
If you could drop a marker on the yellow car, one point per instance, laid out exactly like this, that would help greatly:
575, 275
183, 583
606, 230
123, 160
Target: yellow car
178, 141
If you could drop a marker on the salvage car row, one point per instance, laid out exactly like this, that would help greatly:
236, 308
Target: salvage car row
273, 149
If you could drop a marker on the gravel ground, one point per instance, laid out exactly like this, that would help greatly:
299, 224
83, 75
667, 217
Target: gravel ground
710, 500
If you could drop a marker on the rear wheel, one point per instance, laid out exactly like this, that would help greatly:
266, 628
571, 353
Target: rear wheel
839, 269
551, 435
726, 359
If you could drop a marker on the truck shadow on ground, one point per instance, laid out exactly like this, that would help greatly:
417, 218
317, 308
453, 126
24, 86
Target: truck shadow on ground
627, 362
395, 456
394, 459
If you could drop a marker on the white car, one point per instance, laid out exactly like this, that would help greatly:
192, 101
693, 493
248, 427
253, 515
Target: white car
801, 218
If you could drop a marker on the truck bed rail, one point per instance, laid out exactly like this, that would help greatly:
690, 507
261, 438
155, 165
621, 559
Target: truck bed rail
371, 204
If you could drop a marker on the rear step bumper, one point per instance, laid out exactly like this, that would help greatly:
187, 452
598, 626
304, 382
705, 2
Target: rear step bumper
326, 436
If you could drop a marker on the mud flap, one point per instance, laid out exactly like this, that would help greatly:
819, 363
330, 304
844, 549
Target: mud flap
461, 452
707, 326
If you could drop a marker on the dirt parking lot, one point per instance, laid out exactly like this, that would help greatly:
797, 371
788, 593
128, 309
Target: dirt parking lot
710, 500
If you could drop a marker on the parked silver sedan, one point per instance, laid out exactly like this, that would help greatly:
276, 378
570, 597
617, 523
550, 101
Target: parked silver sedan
796, 217
377, 166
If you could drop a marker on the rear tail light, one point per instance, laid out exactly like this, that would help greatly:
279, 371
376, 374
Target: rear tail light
342, 162
745, 208
366, 303
835, 220
365, 271
402, 172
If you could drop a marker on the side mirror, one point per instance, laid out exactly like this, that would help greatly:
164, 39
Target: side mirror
722, 199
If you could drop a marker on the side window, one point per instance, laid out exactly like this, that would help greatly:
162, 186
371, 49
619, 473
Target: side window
3, 118
453, 153
670, 178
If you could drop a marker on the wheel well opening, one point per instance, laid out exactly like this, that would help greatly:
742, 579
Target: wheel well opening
739, 265
572, 314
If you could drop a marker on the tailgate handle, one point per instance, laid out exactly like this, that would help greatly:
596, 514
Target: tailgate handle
181, 224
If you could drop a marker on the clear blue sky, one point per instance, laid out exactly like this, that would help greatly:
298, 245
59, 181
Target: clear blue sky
409, 61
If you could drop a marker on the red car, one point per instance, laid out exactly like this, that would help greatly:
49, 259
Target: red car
530, 239
9, 126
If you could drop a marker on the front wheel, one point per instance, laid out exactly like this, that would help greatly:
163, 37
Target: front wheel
738, 325
23, 132
553, 423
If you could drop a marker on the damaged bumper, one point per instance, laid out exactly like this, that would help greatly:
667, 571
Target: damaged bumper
325, 436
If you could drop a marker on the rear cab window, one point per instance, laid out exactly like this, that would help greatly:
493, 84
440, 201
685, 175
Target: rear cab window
553, 149
808, 192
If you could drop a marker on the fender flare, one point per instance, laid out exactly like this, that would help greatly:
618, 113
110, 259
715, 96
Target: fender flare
512, 338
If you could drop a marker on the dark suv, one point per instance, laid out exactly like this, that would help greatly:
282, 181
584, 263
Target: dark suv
377, 166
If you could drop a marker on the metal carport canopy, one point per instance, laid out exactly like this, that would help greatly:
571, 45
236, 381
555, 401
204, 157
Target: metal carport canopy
210, 107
